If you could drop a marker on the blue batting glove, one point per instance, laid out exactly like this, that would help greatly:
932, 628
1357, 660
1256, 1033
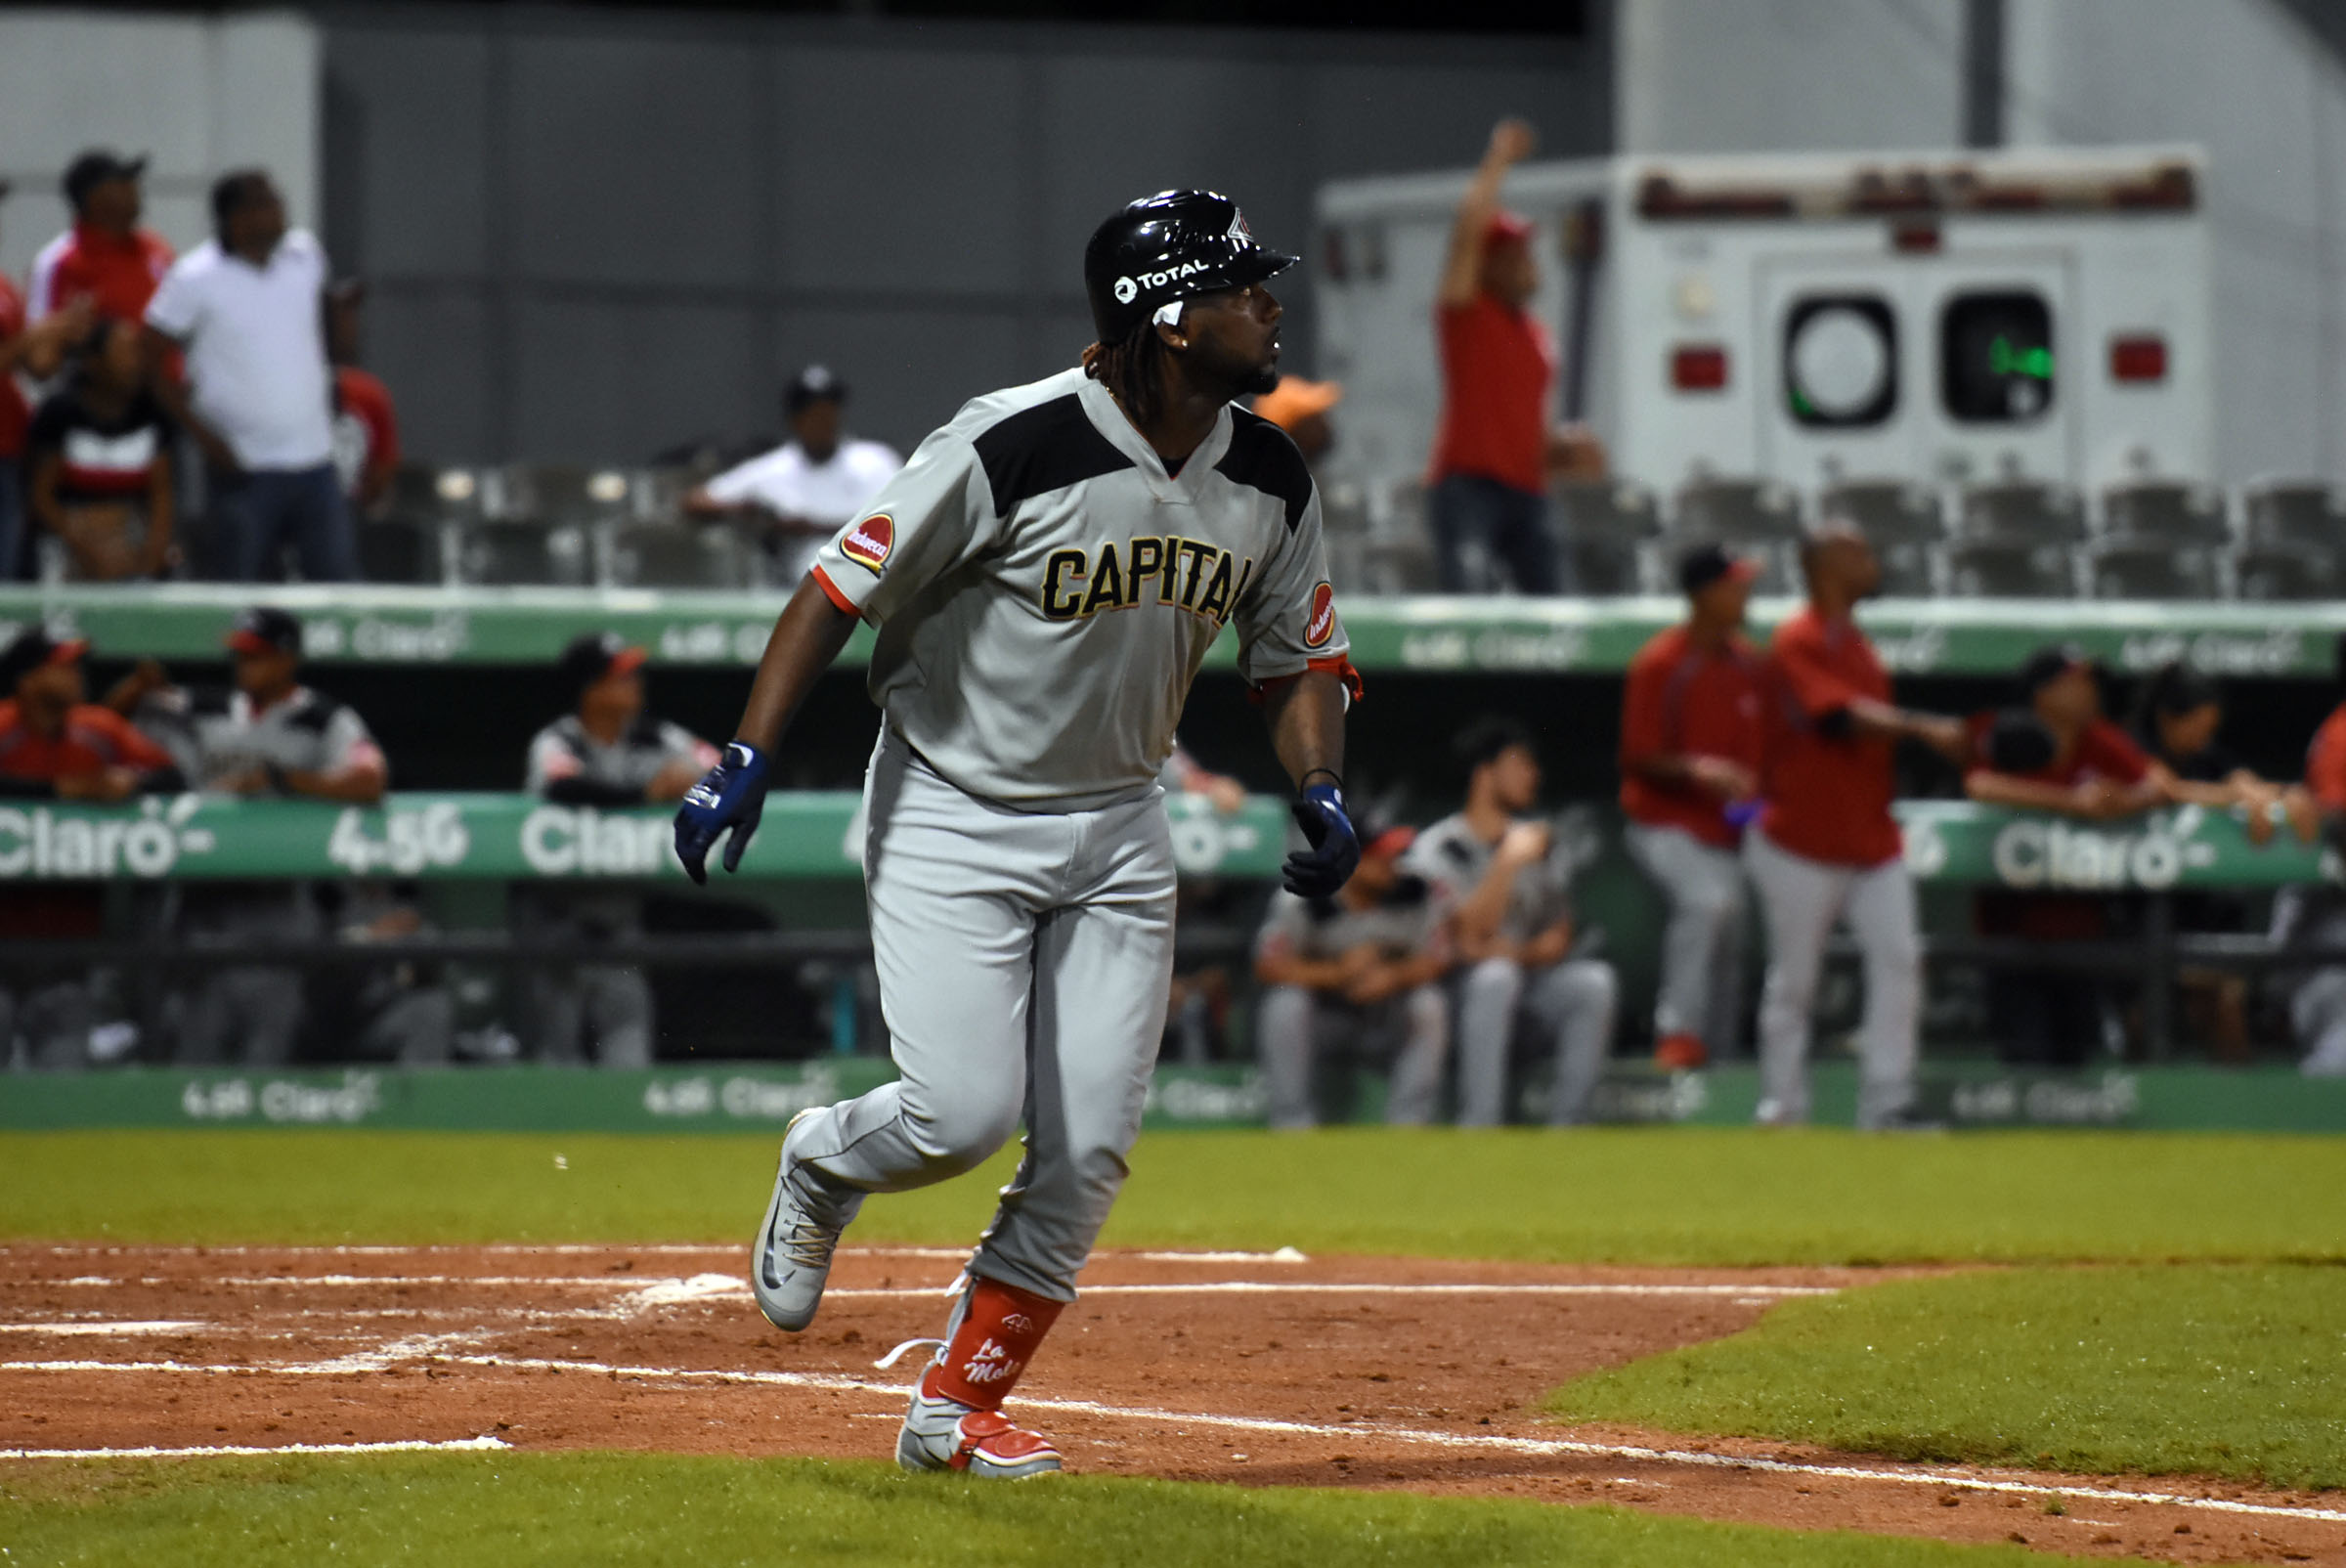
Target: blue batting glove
730, 797
1335, 848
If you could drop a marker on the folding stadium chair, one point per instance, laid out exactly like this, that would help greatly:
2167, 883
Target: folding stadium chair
2134, 567
2022, 510
1907, 568
2007, 569
668, 556
2292, 511
569, 493
2279, 571
1889, 511
516, 554
1597, 527
402, 549
2166, 509
1737, 512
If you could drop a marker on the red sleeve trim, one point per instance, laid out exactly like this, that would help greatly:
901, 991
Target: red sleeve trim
1340, 667
839, 600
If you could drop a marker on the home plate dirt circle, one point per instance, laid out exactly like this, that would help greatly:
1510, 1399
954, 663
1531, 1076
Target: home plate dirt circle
1248, 1368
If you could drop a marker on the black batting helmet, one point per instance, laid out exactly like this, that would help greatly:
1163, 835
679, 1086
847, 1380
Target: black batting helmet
1165, 247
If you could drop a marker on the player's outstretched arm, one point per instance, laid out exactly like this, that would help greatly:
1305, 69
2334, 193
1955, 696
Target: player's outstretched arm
730, 799
1307, 729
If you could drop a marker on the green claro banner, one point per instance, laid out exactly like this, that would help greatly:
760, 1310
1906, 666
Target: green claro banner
498, 837
2182, 847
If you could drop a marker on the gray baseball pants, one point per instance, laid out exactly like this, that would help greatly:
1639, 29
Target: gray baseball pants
1702, 945
1802, 899
1566, 1009
1025, 959
1297, 1028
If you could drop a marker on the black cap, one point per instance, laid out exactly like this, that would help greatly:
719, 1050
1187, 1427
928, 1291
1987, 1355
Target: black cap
2176, 688
32, 648
1483, 740
1169, 247
265, 628
591, 655
94, 168
2049, 664
2018, 742
1705, 564
814, 384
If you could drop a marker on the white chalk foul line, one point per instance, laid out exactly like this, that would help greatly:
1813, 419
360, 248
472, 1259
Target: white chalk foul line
462, 1445
1534, 1445
154, 1326
703, 1287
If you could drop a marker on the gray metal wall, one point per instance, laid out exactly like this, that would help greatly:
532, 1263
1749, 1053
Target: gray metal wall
595, 235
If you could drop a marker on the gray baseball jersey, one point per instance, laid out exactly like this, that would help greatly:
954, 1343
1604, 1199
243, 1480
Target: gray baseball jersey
1045, 591
568, 763
216, 733
1453, 860
1317, 930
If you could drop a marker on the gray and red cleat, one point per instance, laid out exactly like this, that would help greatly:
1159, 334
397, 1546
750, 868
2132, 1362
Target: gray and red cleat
944, 1434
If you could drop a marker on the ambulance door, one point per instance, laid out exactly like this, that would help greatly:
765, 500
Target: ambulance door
1837, 378
2001, 373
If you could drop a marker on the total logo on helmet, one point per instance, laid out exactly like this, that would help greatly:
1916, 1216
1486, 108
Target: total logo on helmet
1323, 623
868, 543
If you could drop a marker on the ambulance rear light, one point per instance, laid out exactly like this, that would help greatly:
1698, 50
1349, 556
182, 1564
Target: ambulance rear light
2137, 357
1915, 239
1698, 368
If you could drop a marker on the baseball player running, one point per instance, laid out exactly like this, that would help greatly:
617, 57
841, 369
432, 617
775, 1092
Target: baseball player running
1826, 846
1045, 576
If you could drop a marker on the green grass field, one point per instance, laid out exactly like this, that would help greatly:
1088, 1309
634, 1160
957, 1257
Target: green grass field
2161, 1320
566, 1509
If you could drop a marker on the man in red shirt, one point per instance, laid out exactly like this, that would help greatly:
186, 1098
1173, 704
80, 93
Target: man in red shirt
106, 257
1488, 477
37, 348
365, 424
55, 746
2315, 916
2096, 771
1690, 755
1826, 846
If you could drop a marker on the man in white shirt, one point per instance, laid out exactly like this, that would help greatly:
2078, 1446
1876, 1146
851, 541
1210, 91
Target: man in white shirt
245, 306
810, 487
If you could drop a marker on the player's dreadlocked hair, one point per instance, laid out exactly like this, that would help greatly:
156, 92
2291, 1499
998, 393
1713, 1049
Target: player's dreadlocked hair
1130, 368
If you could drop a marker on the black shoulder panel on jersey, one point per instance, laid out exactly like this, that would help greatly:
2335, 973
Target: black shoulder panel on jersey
1048, 447
317, 711
1262, 457
210, 701
645, 731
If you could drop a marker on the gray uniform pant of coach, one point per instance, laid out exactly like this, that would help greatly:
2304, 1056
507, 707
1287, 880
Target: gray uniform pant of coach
1802, 899
1297, 1030
1565, 1009
1702, 945
1025, 959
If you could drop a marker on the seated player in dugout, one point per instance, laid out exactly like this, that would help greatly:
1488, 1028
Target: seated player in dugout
1527, 979
1353, 979
1045, 576
605, 752
1691, 747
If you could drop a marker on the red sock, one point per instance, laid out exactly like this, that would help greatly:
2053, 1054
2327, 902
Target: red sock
996, 1339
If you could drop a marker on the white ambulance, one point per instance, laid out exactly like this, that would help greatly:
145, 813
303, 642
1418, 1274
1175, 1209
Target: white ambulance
1939, 318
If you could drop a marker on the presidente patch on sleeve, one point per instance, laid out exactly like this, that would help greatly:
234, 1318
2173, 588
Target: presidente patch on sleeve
1323, 623
868, 543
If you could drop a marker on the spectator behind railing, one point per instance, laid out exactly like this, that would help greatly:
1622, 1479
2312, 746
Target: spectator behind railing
247, 307
105, 258
1527, 967
97, 462
274, 738
2091, 769
56, 745
808, 488
606, 752
1359, 975
1301, 409
30, 349
366, 422
1487, 506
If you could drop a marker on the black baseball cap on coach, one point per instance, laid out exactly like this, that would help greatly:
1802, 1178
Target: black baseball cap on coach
591, 655
94, 168
265, 628
32, 648
817, 383
1705, 564
2049, 664
1169, 247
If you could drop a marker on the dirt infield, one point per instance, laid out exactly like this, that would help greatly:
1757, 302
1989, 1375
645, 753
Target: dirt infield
1249, 1368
